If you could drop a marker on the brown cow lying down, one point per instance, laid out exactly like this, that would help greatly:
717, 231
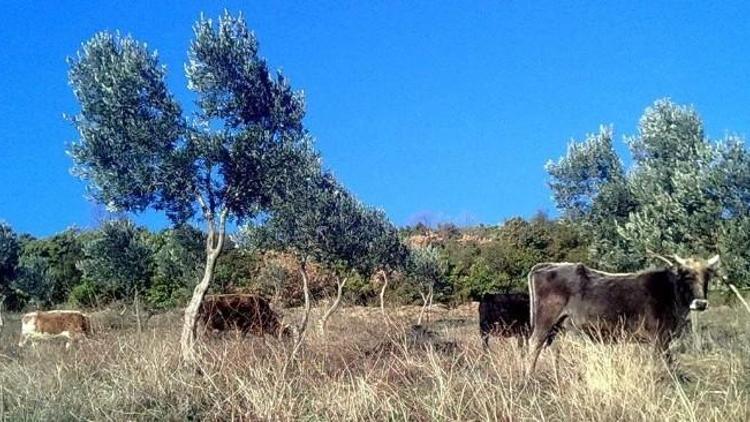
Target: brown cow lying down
241, 312
73, 325
504, 315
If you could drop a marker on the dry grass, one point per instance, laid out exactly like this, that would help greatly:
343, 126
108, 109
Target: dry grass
368, 370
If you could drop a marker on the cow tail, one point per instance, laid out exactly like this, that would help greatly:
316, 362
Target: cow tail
532, 297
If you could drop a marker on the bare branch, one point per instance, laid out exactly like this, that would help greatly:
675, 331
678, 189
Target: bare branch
339, 292
737, 293
382, 293
303, 323
206, 211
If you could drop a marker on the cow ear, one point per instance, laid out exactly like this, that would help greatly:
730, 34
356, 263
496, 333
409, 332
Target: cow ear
714, 262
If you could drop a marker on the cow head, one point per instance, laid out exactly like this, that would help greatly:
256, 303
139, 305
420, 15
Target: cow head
694, 274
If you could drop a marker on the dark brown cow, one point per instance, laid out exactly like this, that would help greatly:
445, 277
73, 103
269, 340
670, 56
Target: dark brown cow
73, 325
245, 313
650, 305
504, 315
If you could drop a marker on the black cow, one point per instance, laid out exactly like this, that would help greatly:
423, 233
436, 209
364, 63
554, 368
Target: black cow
504, 315
650, 305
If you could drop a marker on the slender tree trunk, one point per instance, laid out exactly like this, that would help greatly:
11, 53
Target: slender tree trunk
382, 291
426, 305
137, 306
429, 303
694, 319
302, 328
2, 308
340, 289
739, 296
214, 244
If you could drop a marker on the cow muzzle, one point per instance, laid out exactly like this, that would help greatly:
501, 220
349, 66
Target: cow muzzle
698, 305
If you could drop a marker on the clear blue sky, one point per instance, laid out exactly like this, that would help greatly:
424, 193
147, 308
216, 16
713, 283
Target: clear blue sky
441, 108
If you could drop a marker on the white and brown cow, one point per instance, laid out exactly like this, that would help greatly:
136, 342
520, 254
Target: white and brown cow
73, 325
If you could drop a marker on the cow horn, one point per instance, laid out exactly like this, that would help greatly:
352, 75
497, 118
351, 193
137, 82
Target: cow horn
679, 260
660, 257
714, 262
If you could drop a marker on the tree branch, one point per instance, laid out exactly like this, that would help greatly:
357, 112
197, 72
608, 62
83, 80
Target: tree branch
339, 292
382, 293
217, 246
206, 211
305, 316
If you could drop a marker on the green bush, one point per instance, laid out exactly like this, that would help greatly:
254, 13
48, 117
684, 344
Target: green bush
83, 295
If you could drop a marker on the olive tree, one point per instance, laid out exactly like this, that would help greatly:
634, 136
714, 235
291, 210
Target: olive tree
307, 225
137, 149
426, 270
684, 193
386, 251
346, 251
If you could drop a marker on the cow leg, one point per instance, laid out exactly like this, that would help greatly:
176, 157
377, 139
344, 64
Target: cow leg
544, 333
484, 332
663, 352
23, 341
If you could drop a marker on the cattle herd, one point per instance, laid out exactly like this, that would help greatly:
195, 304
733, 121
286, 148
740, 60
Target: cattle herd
649, 306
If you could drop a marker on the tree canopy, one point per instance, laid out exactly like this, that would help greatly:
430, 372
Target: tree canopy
684, 194
235, 157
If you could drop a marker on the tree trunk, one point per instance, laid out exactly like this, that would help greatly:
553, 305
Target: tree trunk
429, 303
214, 244
340, 289
137, 306
426, 304
739, 296
695, 331
382, 292
303, 323
2, 306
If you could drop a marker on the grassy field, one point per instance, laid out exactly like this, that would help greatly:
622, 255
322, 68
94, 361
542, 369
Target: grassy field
366, 369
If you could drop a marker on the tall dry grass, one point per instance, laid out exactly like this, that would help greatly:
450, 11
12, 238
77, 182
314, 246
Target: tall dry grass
366, 369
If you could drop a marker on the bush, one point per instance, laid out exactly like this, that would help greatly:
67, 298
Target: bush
83, 295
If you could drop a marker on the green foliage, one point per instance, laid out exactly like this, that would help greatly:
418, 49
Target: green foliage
131, 147
178, 262
481, 279
136, 149
427, 271
579, 176
491, 259
48, 267
734, 248
9, 253
118, 261
238, 269
684, 194
85, 295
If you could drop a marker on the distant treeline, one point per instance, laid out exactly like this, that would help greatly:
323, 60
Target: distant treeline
119, 261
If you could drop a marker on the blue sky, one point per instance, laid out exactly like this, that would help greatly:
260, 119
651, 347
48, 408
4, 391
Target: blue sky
443, 109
